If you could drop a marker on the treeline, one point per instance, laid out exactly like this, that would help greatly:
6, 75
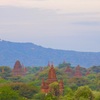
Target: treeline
29, 87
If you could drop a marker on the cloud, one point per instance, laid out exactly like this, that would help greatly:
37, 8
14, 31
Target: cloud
45, 23
52, 23
61, 6
88, 23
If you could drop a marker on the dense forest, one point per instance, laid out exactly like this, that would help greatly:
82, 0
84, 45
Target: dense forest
28, 87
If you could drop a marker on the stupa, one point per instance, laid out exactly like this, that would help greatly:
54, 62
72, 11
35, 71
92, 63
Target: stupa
78, 72
51, 78
18, 69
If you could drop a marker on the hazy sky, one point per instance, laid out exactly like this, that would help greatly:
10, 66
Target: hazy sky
59, 24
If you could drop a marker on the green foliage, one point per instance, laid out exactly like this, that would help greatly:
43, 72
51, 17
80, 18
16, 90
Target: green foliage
49, 96
32, 70
4, 81
39, 96
69, 94
54, 88
6, 72
97, 95
94, 80
16, 79
24, 90
98, 81
95, 69
63, 65
28, 87
78, 81
91, 77
6, 93
84, 92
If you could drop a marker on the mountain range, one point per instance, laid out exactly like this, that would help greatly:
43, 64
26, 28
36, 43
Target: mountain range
31, 54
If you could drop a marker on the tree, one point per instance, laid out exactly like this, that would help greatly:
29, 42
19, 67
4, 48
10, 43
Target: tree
69, 95
5, 72
24, 90
49, 96
97, 95
78, 81
54, 88
39, 96
63, 65
6, 93
84, 93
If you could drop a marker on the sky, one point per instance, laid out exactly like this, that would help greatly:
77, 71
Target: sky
58, 24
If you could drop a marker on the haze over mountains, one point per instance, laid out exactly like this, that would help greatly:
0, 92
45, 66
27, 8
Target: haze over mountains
33, 55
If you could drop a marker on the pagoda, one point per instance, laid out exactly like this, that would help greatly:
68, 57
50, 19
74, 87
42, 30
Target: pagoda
18, 69
51, 78
78, 72
69, 71
61, 87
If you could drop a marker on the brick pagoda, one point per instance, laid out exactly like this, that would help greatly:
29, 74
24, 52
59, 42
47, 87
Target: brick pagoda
51, 78
78, 72
19, 70
69, 71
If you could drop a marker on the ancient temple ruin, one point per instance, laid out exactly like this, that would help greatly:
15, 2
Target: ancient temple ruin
69, 71
51, 78
19, 70
78, 72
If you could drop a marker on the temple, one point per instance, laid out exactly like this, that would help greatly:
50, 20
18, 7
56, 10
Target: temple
19, 70
78, 72
51, 78
69, 71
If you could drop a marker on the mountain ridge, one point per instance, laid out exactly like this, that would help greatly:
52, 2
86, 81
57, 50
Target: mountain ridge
31, 54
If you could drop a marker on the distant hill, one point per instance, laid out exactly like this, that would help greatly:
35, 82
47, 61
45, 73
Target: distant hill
33, 55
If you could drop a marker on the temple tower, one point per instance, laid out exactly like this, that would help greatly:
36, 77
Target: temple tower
51, 78
18, 69
61, 86
44, 87
78, 72
69, 71
52, 75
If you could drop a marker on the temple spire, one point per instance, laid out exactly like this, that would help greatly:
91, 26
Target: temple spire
52, 74
68, 69
78, 72
19, 70
45, 85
